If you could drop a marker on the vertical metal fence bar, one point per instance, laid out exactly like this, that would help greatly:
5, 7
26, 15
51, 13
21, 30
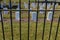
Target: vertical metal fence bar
2, 25
11, 20
52, 21
20, 17
44, 20
57, 29
28, 17
37, 21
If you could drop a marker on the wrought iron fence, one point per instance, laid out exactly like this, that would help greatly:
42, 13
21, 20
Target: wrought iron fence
51, 25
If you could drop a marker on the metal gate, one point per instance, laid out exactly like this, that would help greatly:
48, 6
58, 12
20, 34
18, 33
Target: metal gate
28, 32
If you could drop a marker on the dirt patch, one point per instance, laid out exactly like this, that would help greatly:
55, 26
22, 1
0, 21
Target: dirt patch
26, 20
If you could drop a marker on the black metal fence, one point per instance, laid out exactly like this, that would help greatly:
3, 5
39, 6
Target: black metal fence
51, 25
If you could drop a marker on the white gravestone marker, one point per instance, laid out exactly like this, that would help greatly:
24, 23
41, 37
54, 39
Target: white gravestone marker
41, 8
5, 12
25, 5
18, 6
49, 16
34, 15
48, 5
33, 5
43, 4
9, 5
2, 5
17, 14
30, 9
40, 4
56, 5
53, 4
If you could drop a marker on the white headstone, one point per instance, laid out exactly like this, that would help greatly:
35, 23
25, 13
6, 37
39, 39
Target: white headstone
53, 4
17, 16
34, 15
25, 5
2, 5
9, 5
30, 9
48, 5
49, 16
33, 5
40, 4
56, 5
43, 4
5, 12
41, 8
18, 6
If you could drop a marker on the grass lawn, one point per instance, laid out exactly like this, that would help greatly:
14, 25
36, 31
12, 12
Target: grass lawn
24, 30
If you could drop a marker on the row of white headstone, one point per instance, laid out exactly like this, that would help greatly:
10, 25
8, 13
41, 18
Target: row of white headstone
33, 5
34, 14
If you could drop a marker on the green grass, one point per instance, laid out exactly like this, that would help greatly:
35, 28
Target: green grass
24, 30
